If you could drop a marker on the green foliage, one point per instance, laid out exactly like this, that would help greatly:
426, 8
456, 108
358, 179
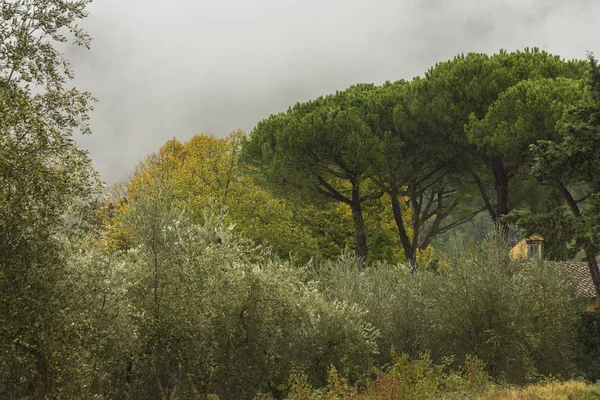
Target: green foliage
469, 87
95, 301
212, 313
588, 340
43, 175
322, 148
471, 83
177, 298
556, 227
42, 172
205, 172
516, 317
524, 114
405, 379
521, 115
574, 162
421, 177
326, 138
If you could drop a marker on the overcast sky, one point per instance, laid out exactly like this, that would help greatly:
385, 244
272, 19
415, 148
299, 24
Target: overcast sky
174, 68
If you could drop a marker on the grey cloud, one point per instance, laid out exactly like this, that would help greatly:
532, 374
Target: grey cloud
164, 69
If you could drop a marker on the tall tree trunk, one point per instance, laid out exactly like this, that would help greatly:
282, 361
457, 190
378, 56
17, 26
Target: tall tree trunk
416, 203
501, 185
484, 196
360, 231
594, 271
590, 252
409, 252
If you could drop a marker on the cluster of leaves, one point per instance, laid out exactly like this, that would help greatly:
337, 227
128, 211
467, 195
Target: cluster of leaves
517, 317
203, 311
434, 144
205, 172
570, 165
43, 176
588, 344
194, 309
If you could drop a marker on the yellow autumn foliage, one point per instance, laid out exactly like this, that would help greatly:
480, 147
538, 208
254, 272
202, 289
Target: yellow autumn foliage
205, 170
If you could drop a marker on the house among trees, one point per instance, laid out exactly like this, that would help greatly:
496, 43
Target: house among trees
532, 248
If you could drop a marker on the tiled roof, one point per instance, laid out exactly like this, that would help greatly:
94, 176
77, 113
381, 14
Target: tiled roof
580, 273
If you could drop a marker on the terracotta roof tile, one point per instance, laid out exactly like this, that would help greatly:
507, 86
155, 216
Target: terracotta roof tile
580, 273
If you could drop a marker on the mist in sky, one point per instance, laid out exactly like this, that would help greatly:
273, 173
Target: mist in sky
162, 69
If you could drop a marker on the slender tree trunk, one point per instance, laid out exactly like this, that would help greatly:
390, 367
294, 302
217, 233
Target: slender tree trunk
590, 252
484, 196
564, 193
416, 203
594, 271
360, 231
409, 254
501, 185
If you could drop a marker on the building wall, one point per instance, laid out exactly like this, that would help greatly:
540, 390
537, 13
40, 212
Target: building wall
524, 247
519, 250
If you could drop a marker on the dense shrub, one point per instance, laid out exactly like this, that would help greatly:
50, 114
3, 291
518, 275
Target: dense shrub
518, 317
211, 313
588, 340
392, 295
77, 339
195, 310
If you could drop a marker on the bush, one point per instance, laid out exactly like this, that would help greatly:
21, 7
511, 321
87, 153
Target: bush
405, 379
518, 317
194, 310
392, 296
212, 313
588, 344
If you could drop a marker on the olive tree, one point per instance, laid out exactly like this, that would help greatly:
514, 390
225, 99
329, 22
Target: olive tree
42, 175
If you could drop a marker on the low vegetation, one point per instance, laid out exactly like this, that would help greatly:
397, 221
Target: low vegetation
194, 309
574, 390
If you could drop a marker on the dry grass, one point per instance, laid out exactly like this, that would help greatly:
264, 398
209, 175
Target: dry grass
572, 390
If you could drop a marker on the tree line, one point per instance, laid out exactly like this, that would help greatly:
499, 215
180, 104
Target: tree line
218, 267
477, 133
